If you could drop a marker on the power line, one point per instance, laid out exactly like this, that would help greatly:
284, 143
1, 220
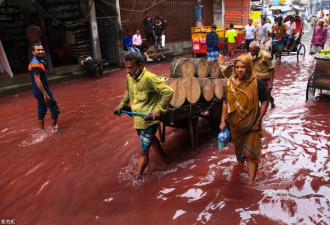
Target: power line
64, 24
132, 10
130, 14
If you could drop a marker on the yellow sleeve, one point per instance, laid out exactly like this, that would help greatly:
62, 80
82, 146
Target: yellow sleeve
163, 90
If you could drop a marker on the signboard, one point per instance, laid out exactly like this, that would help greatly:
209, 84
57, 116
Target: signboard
255, 17
326, 5
217, 12
275, 2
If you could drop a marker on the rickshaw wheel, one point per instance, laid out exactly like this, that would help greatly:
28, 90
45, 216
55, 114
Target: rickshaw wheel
310, 91
301, 51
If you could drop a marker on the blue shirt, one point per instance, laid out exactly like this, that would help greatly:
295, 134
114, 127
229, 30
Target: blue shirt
128, 39
36, 66
212, 41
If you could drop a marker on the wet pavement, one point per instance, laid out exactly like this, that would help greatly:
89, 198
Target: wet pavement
84, 173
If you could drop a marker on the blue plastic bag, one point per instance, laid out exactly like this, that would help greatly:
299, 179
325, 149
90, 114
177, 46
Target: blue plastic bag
223, 138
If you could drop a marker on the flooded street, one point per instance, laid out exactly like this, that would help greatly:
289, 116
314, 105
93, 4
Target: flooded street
84, 173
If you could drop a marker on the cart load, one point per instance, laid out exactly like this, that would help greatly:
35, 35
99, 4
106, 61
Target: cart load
320, 77
324, 52
197, 79
198, 89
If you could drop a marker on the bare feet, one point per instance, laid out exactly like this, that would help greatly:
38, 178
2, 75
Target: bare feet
250, 183
240, 162
55, 129
165, 159
138, 177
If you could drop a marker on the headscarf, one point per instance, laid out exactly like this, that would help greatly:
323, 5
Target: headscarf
247, 61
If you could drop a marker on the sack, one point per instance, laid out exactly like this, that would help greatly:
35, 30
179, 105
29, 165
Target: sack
223, 138
315, 49
163, 41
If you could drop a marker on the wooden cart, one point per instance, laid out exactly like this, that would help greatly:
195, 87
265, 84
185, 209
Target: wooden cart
187, 116
320, 77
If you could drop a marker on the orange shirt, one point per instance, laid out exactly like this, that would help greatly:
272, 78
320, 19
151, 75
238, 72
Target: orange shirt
280, 31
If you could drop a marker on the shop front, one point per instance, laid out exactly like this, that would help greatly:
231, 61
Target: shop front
65, 32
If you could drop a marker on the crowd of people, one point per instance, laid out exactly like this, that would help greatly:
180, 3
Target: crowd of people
247, 91
247, 95
282, 37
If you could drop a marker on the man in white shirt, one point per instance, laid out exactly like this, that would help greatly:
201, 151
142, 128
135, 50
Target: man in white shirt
262, 33
290, 31
250, 34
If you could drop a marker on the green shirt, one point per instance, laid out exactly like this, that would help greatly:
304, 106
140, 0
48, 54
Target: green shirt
231, 34
146, 94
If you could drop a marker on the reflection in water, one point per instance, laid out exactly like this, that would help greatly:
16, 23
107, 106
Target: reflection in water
178, 213
193, 194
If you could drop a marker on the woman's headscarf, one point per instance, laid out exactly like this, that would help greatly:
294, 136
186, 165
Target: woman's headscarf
247, 61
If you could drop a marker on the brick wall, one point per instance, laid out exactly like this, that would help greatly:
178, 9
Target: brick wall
236, 12
180, 16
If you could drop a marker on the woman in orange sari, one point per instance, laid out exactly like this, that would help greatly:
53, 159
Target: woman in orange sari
243, 114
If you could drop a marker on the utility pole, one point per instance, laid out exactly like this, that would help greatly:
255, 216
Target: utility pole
199, 15
119, 39
94, 31
45, 39
265, 7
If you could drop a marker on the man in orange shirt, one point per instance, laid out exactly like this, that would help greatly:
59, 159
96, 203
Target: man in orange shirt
280, 29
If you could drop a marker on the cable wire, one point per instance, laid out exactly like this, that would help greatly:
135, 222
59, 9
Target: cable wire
132, 10
64, 24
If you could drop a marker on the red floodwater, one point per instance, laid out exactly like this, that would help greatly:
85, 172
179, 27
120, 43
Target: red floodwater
84, 173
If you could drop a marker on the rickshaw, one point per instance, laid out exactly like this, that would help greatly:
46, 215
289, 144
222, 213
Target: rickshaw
296, 47
320, 77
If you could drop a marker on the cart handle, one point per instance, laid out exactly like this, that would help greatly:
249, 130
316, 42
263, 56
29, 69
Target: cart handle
148, 117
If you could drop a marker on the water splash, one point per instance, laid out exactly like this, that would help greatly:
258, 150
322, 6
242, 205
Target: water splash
36, 137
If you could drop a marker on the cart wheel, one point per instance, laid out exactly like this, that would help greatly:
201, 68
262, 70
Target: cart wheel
301, 51
310, 91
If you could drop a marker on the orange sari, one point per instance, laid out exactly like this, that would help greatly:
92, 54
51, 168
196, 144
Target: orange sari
243, 111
